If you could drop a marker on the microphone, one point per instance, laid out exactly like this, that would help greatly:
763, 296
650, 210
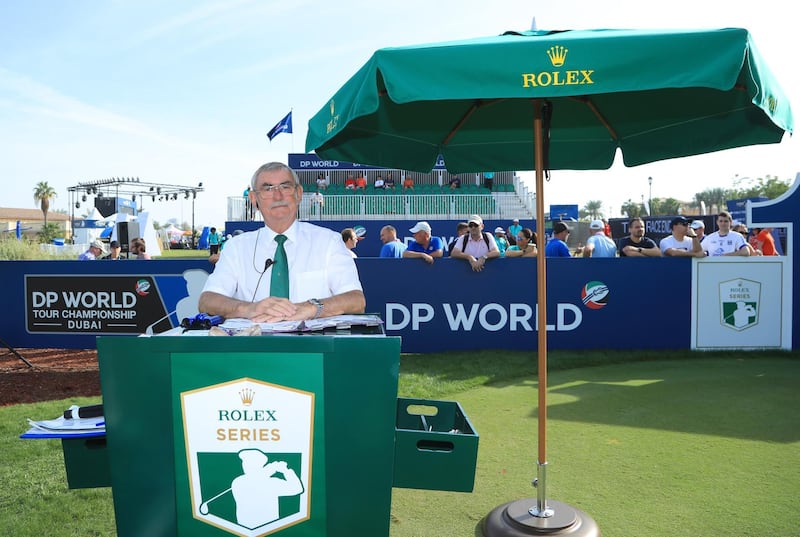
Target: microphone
268, 263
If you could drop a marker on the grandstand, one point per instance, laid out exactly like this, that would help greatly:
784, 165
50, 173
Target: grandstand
503, 196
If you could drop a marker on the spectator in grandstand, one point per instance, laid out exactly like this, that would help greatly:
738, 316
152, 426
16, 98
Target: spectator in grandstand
248, 207
392, 246
477, 246
317, 199
557, 245
513, 232
350, 183
361, 182
96, 250
763, 241
322, 182
488, 180
598, 244
388, 183
501, 240
139, 248
636, 244
461, 229
725, 241
454, 183
424, 246
115, 250
699, 228
350, 240
408, 182
525, 245
683, 242
379, 182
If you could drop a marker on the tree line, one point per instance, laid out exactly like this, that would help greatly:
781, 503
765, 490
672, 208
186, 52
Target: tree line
714, 199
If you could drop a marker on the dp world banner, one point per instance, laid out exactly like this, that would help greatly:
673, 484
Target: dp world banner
621, 303
444, 306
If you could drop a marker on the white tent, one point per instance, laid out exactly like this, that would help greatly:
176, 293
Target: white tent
173, 233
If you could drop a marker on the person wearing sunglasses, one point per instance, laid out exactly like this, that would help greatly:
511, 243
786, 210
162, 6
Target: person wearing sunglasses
476, 246
683, 242
525, 246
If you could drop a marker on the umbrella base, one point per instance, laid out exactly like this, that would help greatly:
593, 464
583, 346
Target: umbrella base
513, 520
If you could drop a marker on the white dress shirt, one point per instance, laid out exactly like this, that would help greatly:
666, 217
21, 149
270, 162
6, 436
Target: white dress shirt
320, 265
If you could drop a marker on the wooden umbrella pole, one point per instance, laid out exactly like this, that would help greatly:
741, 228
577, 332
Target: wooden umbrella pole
541, 509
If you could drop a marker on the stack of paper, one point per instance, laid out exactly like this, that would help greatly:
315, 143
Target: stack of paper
66, 428
338, 321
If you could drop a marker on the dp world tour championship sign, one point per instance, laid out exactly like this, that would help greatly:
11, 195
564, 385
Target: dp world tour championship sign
249, 451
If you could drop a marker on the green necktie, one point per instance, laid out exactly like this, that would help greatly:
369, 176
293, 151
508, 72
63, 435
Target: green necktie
279, 283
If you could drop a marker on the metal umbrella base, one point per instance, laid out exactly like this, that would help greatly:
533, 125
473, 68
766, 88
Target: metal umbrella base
515, 519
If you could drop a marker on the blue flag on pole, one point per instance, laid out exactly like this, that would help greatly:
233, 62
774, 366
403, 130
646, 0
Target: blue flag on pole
284, 125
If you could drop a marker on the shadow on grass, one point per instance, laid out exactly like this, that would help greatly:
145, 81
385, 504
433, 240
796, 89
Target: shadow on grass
723, 394
737, 398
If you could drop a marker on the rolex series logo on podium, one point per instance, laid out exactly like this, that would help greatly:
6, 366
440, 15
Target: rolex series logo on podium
249, 455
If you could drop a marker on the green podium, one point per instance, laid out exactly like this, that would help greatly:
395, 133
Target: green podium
210, 436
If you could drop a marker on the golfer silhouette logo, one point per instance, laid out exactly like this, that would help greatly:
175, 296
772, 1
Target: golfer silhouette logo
742, 314
249, 453
257, 491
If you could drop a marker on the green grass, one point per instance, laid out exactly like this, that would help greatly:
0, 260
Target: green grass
647, 443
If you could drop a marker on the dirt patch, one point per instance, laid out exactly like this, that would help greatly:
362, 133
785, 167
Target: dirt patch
56, 374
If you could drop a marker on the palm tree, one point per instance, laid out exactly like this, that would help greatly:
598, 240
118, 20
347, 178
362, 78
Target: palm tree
632, 209
42, 194
592, 208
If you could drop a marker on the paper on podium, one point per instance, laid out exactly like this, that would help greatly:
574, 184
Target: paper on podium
337, 321
66, 428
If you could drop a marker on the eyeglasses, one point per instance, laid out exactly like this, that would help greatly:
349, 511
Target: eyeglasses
269, 190
521, 238
472, 224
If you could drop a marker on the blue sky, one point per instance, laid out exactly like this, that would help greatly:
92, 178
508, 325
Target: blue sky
182, 92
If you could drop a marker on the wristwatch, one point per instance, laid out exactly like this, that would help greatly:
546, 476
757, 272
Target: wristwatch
319, 304
640, 249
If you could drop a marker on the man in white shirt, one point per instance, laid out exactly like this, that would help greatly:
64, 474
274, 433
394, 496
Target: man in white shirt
724, 241
477, 246
323, 280
683, 242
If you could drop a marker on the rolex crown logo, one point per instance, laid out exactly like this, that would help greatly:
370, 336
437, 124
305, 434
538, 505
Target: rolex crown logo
333, 109
557, 54
247, 395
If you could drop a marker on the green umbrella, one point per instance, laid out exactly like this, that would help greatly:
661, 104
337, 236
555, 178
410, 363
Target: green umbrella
542, 101
653, 94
